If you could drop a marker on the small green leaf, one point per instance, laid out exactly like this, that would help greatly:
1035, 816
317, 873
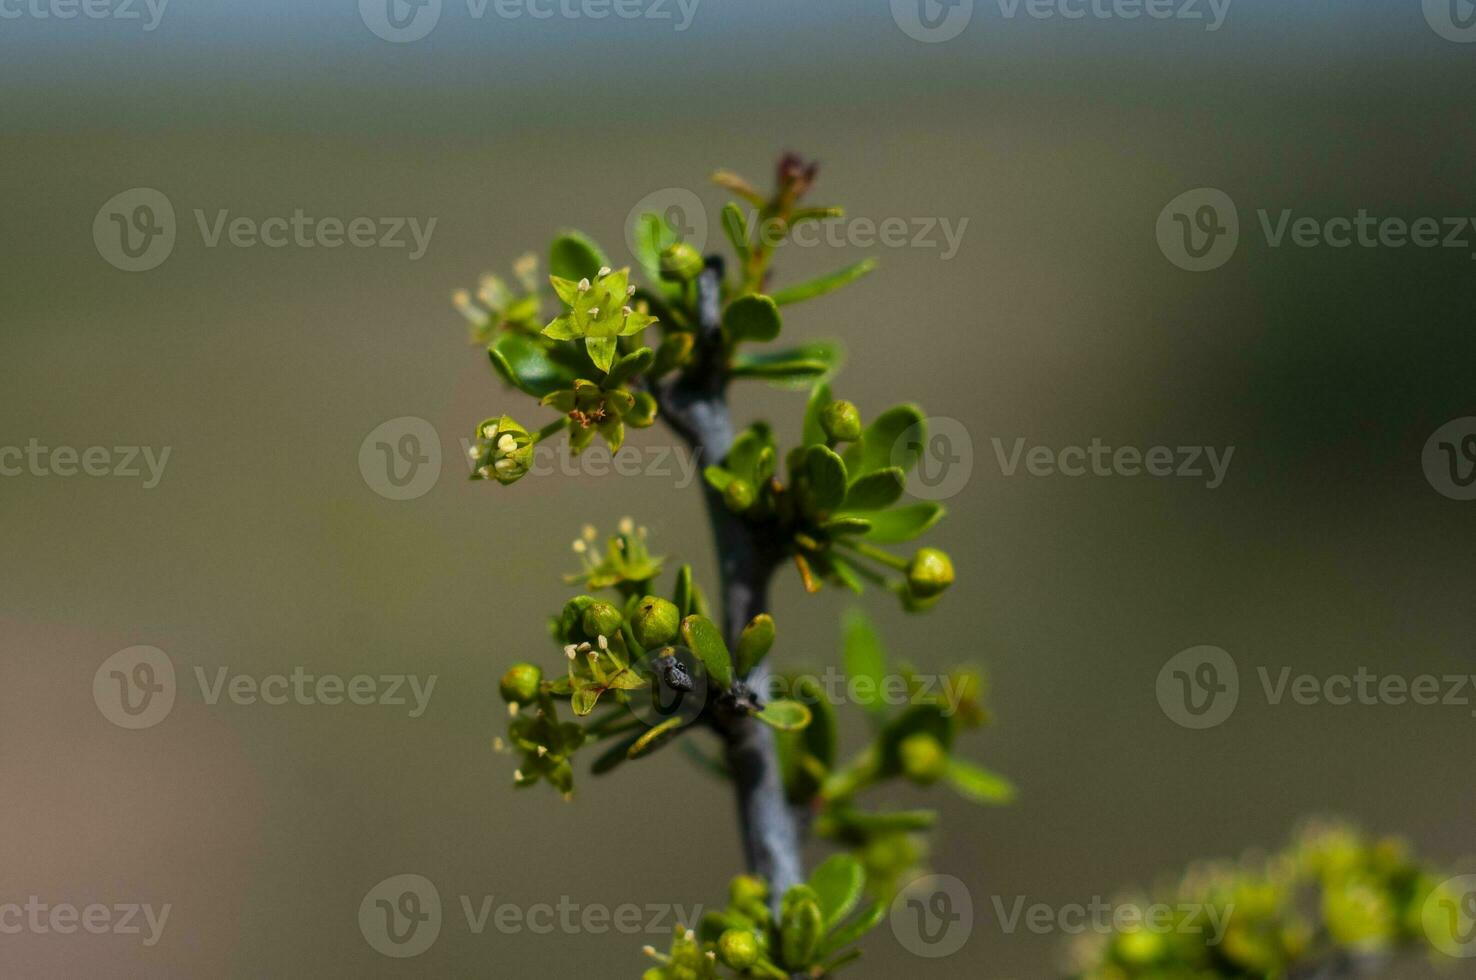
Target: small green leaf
800, 927
523, 363
652, 236
882, 444
718, 478
754, 643
785, 715
654, 739
813, 434
977, 783
864, 658
574, 256
824, 480
628, 367
751, 318
699, 633
869, 919
875, 491
743, 457
614, 755
903, 523
796, 367
825, 284
735, 226
601, 351
685, 597
897, 821
838, 882
846, 525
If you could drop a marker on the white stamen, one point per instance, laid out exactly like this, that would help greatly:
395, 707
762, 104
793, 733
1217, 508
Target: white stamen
503, 465
627, 525
604, 643
594, 311
579, 546
517, 775
506, 443
604, 271
474, 451
584, 285
512, 709
542, 751
626, 310
630, 290
490, 432
570, 650
485, 473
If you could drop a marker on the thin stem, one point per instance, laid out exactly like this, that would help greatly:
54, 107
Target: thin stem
874, 553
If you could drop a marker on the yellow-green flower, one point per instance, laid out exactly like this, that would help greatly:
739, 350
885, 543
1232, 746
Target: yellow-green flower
600, 312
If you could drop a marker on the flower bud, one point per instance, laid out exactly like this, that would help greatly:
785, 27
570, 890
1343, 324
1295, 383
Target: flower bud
739, 495
840, 421
923, 758
681, 262
655, 622
738, 949
929, 573
746, 890
520, 684
601, 619
642, 414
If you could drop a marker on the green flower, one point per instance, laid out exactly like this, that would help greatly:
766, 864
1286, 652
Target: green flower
626, 565
599, 313
503, 451
546, 745
592, 409
497, 307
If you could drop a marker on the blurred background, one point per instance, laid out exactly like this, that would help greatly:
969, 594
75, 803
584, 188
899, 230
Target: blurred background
1053, 143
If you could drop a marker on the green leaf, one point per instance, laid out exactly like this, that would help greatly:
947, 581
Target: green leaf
838, 882
824, 484
825, 284
882, 445
574, 256
523, 363
800, 927
743, 457
751, 318
820, 737
863, 657
628, 367
699, 633
846, 525
652, 236
897, 821
735, 226
754, 643
655, 738
903, 523
869, 919
718, 478
785, 715
846, 572
685, 596
795, 367
977, 783
875, 491
614, 755
813, 434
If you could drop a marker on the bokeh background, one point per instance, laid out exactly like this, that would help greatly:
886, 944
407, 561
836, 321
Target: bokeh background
1058, 320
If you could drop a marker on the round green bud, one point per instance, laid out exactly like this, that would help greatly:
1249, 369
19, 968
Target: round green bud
841, 421
1139, 948
747, 890
520, 684
924, 760
739, 495
929, 573
681, 262
571, 620
738, 949
655, 622
601, 619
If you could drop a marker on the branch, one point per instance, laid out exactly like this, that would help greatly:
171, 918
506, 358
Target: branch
695, 406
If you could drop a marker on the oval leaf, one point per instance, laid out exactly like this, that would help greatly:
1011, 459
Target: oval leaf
751, 318
875, 491
699, 633
784, 715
